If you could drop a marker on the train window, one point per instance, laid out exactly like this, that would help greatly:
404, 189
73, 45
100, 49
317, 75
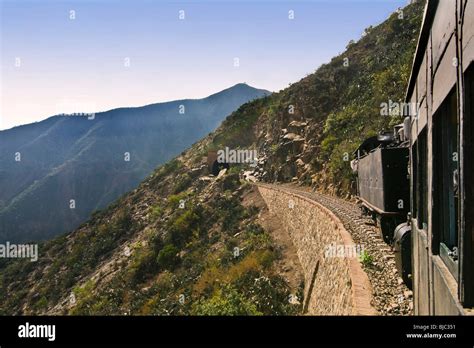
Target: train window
446, 181
421, 187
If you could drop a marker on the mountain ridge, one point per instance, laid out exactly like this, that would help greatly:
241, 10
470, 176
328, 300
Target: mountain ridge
85, 114
76, 145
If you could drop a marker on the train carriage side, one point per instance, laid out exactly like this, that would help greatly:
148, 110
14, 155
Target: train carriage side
441, 96
382, 187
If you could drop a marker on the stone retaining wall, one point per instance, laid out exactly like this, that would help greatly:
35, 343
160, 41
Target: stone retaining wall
333, 285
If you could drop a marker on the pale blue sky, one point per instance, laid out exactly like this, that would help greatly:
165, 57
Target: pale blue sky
78, 65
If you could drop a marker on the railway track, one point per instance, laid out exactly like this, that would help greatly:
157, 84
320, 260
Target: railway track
390, 294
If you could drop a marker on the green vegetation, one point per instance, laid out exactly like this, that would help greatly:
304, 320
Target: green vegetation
366, 259
80, 258
174, 200
202, 282
186, 264
167, 257
378, 70
156, 212
226, 301
236, 131
182, 183
341, 102
185, 226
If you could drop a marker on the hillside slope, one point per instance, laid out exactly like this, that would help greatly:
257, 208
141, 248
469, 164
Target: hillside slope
94, 161
186, 242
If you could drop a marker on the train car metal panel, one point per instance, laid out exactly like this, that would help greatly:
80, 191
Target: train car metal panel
443, 274
370, 176
421, 287
442, 29
422, 119
421, 80
468, 35
383, 181
445, 76
444, 285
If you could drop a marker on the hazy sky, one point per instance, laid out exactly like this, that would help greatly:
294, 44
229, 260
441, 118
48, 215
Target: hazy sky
137, 52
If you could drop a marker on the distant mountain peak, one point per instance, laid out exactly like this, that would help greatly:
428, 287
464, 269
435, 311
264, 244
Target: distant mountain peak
77, 153
242, 87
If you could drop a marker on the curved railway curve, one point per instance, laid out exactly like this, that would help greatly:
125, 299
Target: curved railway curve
390, 296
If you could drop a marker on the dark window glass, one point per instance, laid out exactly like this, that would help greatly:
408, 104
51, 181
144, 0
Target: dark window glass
446, 175
422, 179
414, 176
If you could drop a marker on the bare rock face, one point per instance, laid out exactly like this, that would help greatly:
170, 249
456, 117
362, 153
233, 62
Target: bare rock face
293, 137
198, 171
300, 163
222, 173
286, 172
297, 127
249, 176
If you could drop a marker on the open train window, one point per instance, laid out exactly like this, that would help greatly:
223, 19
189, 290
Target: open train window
446, 182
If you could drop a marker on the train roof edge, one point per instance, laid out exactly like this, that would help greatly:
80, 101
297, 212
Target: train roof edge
428, 16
